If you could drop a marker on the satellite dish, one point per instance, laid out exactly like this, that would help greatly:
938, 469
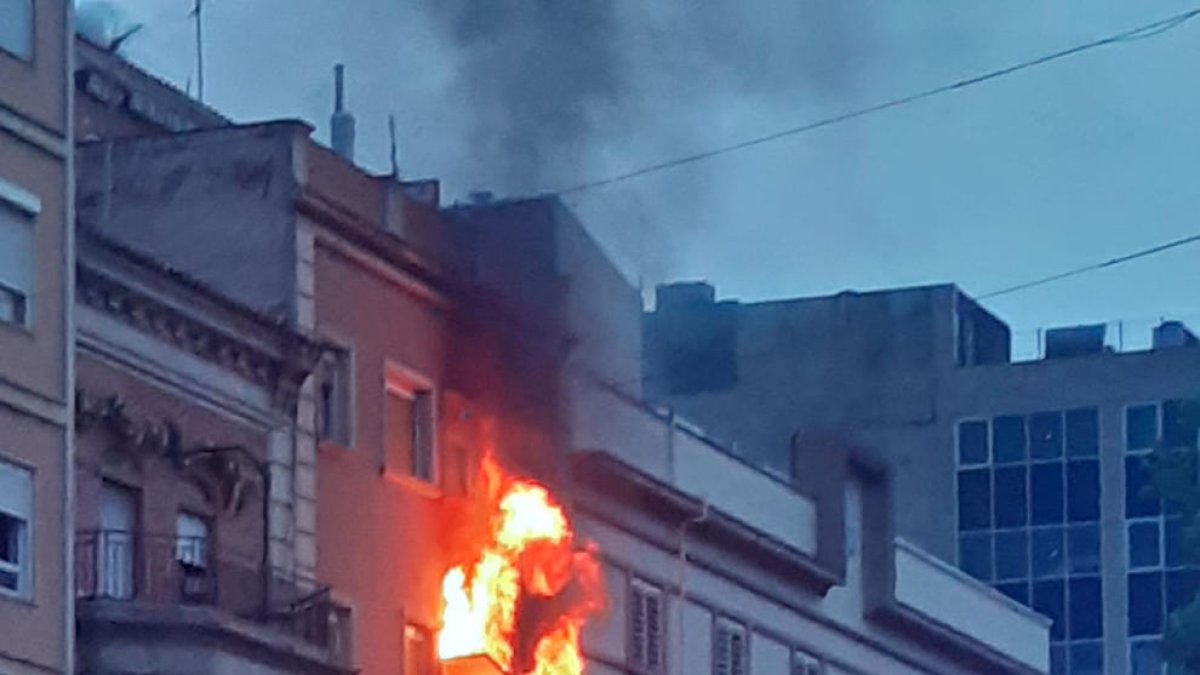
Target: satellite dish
104, 24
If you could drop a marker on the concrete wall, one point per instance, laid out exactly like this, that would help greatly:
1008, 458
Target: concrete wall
35, 371
217, 206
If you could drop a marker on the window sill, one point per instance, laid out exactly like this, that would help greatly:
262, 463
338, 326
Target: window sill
23, 330
412, 484
17, 598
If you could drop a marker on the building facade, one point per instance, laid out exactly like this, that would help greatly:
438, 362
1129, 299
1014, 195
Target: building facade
36, 251
1030, 476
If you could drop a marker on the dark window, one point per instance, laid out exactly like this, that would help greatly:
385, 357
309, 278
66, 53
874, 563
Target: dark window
1018, 591
1086, 609
1146, 603
1143, 544
1012, 555
1008, 439
1046, 435
1087, 658
1046, 493
1049, 599
1145, 658
1083, 545
975, 555
1141, 427
1083, 491
1173, 542
974, 499
1012, 504
1049, 559
1083, 433
1058, 660
1180, 421
1182, 586
973, 442
1140, 498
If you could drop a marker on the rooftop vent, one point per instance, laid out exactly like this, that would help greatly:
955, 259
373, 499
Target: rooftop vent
1075, 341
1170, 334
685, 294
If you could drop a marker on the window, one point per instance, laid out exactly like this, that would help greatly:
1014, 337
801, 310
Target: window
1012, 504
646, 643
334, 392
16, 28
1180, 423
16, 516
1144, 545
115, 548
191, 540
729, 649
1146, 603
1049, 599
975, 555
419, 658
1083, 433
973, 443
974, 500
1008, 439
1145, 658
1046, 435
410, 421
1087, 658
16, 258
1012, 555
1140, 497
806, 664
1086, 608
1083, 545
1049, 559
1083, 491
1141, 427
1018, 591
1046, 491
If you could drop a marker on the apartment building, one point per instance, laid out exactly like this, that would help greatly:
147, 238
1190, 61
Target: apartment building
1029, 475
36, 253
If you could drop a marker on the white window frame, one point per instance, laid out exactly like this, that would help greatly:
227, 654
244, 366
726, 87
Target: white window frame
17, 502
407, 383
25, 206
27, 56
337, 371
197, 557
740, 664
640, 593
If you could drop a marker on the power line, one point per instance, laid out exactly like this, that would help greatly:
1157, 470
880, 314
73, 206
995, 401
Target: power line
1143, 32
1092, 268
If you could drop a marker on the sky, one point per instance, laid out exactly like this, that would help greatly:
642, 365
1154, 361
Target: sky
1072, 163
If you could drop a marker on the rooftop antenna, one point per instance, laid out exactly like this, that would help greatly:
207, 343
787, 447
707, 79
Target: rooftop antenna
392, 137
341, 125
197, 15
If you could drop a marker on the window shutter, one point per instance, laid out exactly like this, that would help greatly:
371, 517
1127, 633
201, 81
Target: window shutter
646, 627
730, 649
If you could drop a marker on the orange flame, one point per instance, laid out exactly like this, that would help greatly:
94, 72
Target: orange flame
532, 558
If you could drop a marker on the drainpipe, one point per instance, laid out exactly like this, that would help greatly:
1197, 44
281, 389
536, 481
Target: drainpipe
681, 578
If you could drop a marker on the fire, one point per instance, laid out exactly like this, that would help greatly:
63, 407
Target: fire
532, 579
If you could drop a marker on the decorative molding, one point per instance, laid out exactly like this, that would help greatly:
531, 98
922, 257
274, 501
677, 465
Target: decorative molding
281, 375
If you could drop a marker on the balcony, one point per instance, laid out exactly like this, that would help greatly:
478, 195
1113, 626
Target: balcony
163, 598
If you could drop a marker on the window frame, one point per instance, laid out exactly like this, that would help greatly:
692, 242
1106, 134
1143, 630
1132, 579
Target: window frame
430, 665
402, 381
24, 567
25, 208
723, 625
337, 364
640, 589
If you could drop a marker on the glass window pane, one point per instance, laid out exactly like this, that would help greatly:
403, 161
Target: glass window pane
1083, 546
1012, 555
1086, 608
1083, 490
975, 555
1046, 493
1008, 439
974, 499
1182, 586
398, 425
16, 27
1146, 603
1046, 435
1083, 433
1140, 500
1049, 559
1058, 660
1049, 599
1018, 591
1087, 658
1144, 548
1173, 544
1145, 658
1141, 427
1180, 420
1012, 504
973, 442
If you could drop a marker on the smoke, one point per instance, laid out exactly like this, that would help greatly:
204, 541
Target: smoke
555, 92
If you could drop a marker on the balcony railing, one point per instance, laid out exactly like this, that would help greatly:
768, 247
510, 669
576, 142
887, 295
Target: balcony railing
187, 571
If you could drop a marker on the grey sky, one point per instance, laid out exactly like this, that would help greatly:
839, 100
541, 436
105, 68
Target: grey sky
1072, 163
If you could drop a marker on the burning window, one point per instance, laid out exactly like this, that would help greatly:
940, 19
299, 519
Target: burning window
410, 445
418, 651
646, 627
729, 648
524, 593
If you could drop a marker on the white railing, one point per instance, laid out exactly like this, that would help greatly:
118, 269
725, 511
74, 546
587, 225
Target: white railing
947, 596
677, 453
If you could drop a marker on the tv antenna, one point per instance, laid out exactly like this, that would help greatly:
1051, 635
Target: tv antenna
197, 14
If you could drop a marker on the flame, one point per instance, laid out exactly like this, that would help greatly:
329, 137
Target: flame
532, 556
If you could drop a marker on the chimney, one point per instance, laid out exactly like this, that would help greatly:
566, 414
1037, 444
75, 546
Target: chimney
341, 126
